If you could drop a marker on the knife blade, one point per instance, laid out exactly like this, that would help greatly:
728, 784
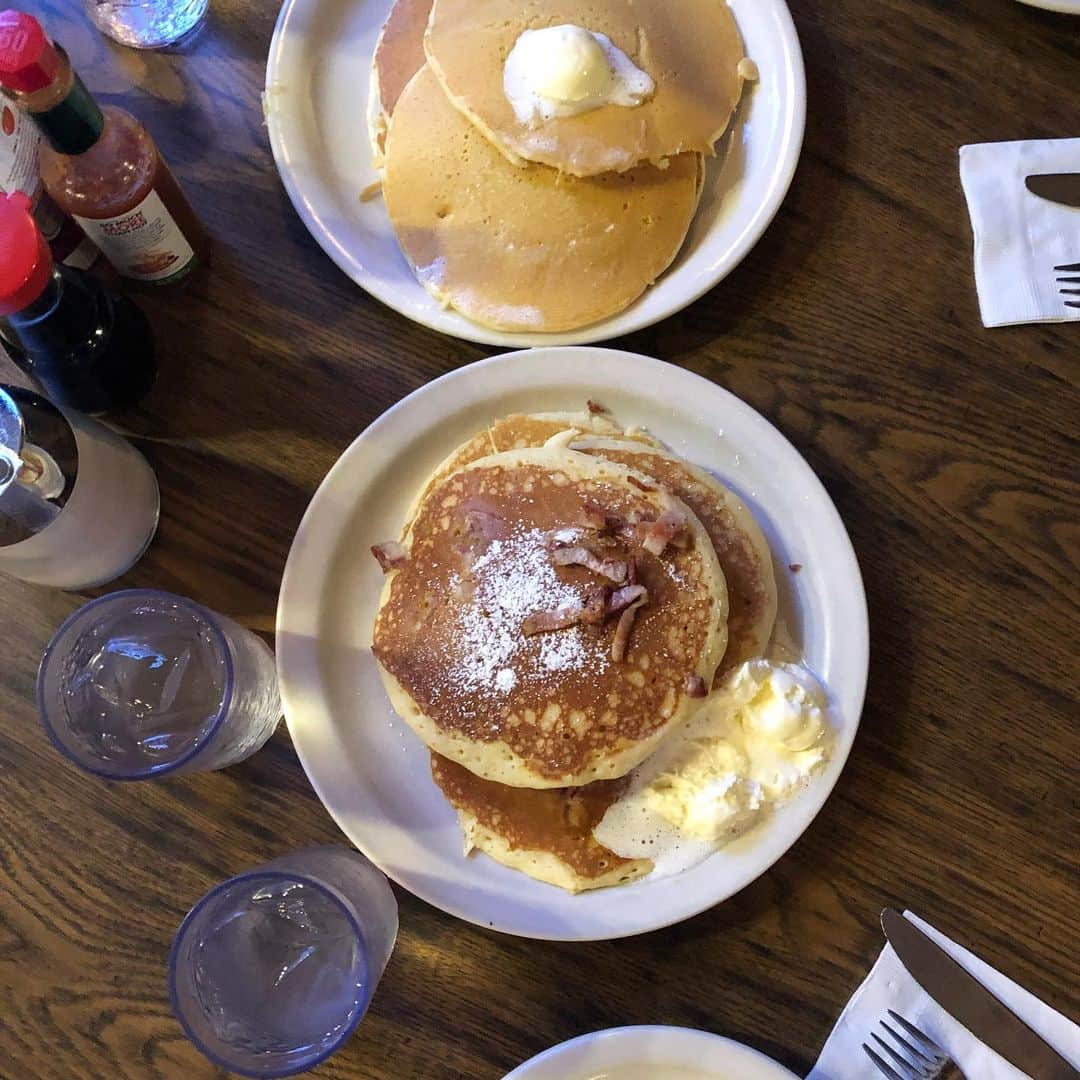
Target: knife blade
1061, 188
965, 999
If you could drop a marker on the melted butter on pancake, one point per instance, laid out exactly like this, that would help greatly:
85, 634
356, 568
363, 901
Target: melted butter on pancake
690, 49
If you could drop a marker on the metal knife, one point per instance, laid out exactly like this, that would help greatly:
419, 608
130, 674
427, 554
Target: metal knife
1061, 188
965, 999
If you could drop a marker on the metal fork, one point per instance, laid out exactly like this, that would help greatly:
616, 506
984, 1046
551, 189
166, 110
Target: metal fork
1069, 267
916, 1056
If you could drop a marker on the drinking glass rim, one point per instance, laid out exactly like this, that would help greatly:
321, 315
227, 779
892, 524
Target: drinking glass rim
207, 616
359, 1004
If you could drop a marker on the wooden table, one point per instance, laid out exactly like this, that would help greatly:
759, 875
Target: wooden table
853, 326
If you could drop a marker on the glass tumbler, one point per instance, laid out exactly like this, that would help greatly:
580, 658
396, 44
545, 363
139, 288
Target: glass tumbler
272, 970
147, 24
141, 683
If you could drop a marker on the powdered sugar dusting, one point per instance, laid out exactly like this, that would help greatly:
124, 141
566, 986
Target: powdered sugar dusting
562, 650
514, 578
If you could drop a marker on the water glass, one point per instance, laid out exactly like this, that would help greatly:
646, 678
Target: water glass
147, 24
272, 970
141, 683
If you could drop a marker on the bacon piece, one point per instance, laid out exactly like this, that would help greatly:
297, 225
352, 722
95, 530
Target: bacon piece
622, 598
595, 517
594, 610
625, 625
595, 407
391, 555
695, 686
656, 535
589, 612
579, 555
631, 571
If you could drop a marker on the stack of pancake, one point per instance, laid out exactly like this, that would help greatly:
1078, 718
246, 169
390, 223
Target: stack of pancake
563, 596
556, 224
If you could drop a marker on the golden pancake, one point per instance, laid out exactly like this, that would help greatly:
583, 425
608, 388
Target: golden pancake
690, 48
399, 55
523, 249
521, 430
483, 571
545, 834
741, 548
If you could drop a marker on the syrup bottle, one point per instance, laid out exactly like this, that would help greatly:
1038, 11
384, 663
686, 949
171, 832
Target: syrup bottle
100, 165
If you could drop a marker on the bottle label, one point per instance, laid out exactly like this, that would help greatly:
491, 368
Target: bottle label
19, 141
144, 243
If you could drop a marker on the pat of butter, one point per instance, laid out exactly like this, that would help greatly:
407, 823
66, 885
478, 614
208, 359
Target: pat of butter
566, 70
570, 64
757, 740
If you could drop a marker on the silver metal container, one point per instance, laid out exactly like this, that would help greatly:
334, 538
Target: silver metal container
78, 503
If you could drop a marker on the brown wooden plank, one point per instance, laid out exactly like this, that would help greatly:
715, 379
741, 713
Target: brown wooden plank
949, 449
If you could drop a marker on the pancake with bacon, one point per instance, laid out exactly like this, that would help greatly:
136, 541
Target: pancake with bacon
548, 617
740, 546
545, 834
519, 431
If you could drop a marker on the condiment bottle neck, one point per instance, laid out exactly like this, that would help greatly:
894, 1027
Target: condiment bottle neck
71, 121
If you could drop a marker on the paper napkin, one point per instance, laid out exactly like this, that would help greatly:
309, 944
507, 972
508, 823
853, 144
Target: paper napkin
1019, 237
889, 986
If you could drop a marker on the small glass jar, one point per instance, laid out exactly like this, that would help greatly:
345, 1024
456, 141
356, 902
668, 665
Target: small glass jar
148, 24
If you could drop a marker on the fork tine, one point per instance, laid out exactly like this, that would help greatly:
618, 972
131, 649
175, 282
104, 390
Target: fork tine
916, 1067
1070, 292
1072, 303
1068, 280
929, 1045
883, 1066
920, 1058
1068, 266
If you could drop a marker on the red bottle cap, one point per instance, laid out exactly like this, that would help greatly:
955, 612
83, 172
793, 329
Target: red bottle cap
25, 260
28, 60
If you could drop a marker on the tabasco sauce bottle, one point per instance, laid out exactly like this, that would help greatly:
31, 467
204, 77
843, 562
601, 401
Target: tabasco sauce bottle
100, 165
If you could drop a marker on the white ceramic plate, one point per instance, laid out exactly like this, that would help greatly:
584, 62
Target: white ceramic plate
675, 1048
368, 768
316, 105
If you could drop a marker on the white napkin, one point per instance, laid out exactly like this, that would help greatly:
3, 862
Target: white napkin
1020, 238
889, 986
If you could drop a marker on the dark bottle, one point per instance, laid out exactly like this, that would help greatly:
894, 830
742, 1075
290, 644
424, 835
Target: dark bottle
87, 347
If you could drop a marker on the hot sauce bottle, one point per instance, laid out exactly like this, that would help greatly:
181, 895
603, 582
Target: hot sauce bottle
100, 165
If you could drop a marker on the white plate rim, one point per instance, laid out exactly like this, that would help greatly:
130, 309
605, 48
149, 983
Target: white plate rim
296, 591
283, 128
638, 1034
1065, 7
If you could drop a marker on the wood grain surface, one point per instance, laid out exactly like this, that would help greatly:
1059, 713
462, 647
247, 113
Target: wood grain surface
949, 450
